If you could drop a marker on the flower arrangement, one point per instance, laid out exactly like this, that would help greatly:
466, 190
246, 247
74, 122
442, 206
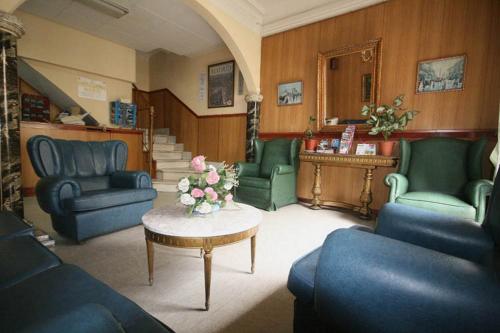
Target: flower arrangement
209, 189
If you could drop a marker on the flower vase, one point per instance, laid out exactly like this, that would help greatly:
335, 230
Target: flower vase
386, 148
311, 144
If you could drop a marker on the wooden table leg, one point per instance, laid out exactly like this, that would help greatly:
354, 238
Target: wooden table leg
252, 252
201, 253
366, 195
151, 255
208, 275
316, 190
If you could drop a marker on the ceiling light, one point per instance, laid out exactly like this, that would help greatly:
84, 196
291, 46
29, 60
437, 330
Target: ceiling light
114, 8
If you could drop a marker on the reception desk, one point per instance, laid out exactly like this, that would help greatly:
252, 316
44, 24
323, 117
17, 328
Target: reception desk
132, 137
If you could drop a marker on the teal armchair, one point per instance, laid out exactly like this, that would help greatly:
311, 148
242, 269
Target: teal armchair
442, 175
270, 182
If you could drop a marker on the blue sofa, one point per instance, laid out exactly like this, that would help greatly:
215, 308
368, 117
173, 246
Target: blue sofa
85, 188
418, 271
41, 294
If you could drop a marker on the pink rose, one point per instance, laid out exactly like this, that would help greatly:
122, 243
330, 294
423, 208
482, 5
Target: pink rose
197, 193
213, 177
198, 163
211, 193
228, 197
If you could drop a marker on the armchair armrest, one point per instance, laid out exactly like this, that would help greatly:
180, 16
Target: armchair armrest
443, 233
247, 169
131, 179
368, 283
51, 191
476, 192
398, 184
282, 169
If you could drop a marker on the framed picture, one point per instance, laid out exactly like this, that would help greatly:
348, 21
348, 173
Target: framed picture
366, 87
221, 85
290, 93
439, 75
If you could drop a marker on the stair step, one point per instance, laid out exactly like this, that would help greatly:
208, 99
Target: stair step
175, 164
165, 185
160, 147
162, 131
168, 155
164, 139
173, 174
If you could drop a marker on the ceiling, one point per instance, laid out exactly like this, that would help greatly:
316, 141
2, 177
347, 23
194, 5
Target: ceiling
173, 26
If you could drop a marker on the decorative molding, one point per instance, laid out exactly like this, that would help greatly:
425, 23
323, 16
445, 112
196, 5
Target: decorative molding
11, 24
247, 12
254, 98
332, 9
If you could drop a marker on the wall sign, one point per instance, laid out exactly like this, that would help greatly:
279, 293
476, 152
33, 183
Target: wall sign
92, 89
221, 85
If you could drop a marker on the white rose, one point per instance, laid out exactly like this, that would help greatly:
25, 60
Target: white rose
187, 199
212, 168
228, 186
183, 185
204, 208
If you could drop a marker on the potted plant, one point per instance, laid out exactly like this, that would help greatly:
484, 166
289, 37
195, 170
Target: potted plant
387, 119
310, 142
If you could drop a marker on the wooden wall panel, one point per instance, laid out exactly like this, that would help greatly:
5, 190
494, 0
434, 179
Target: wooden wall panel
208, 137
232, 139
410, 31
141, 99
135, 159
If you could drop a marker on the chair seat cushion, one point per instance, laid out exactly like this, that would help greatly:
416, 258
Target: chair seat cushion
23, 257
438, 202
13, 226
301, 277
257, 182
93, 200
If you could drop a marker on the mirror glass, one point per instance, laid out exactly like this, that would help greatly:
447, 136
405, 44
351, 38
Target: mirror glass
347, 79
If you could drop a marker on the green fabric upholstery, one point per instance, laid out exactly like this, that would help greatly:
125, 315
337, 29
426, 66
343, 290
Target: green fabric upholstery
443, 175
270, 182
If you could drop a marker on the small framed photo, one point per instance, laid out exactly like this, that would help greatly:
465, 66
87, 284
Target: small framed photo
290, 93
440, 75
366, 149
366, 87
221, 85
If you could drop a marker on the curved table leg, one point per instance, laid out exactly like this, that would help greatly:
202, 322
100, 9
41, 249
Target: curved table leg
151, 252
207, 258
252, 252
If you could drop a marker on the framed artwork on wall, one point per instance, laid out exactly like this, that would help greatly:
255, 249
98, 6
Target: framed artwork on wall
290, 93
440, 75
366, 87
221, 85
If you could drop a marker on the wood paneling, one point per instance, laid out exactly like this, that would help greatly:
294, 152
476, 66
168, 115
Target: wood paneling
133, 139
208, 138
410, 30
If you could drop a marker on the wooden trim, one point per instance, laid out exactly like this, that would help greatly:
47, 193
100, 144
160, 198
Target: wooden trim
409, 134
309, 202
34, 124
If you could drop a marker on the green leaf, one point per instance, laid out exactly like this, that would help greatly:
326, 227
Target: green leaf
380, 109
398, 101
365, 110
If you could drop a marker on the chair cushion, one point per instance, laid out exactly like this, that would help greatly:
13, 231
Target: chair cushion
12, 226
301, 277
275, 152
438, 202
93, 200
23, 257
258, 182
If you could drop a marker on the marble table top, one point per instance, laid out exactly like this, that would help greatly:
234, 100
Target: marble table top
172, 220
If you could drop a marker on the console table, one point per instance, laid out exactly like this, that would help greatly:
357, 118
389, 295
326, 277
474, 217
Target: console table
367, 162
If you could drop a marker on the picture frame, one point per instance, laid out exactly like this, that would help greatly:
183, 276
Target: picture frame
441, 74
221, 85
290, 93
366, 87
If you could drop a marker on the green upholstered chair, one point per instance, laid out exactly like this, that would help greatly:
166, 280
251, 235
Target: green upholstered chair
443, 175
270, 182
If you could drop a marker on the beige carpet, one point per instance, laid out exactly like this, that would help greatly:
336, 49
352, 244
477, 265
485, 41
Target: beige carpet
240, 302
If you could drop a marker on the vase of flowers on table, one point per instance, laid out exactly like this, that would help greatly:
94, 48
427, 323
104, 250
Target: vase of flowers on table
209, 189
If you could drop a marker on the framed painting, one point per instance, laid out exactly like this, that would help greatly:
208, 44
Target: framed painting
440, 75
221, 85
290, 93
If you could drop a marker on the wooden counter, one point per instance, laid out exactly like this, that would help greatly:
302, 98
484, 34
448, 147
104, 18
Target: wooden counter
133, 138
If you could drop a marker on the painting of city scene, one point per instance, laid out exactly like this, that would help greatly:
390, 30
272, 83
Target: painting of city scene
221, 85
290, 93
443, 74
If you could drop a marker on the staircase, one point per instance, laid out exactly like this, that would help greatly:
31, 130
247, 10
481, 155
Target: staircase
172, 162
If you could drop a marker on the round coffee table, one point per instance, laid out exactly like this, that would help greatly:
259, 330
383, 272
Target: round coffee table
170, 226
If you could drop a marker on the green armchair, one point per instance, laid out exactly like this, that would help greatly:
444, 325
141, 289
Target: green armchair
443, 175
270, 182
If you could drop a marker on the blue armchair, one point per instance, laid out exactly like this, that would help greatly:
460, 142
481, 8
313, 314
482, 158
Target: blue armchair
418, 271
85, 188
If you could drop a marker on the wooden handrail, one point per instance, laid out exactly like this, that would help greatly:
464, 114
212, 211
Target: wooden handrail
150, 139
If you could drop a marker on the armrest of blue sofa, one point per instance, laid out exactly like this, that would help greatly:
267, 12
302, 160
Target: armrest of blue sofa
369, 283
443, 233
51, 191
131, 179
88, 318
245, 169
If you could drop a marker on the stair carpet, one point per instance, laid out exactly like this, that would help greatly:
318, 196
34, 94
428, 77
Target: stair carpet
172, 162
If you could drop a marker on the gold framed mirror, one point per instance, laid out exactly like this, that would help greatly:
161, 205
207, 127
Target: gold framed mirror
348, 78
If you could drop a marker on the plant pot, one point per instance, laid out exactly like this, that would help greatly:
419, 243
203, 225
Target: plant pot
311, 144
386, 148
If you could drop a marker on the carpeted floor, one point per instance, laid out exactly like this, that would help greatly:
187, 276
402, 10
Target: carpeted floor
240, 302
